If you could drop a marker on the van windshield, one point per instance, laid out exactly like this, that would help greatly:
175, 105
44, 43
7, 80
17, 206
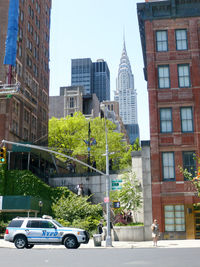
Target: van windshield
57, 223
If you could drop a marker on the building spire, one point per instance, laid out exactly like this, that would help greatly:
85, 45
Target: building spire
124, 43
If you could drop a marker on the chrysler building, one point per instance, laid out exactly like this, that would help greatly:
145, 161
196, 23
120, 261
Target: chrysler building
126, 95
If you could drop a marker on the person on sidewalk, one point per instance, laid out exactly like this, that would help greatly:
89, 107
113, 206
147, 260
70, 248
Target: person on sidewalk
100, 228
155, 232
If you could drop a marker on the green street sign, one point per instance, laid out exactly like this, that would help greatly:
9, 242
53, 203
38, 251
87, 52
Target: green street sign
116, 184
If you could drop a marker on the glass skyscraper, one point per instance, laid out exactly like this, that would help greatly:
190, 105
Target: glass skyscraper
94, 76
81, 74
101, 80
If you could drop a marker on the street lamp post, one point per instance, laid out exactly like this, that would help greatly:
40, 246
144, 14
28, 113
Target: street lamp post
40, 206
108, 234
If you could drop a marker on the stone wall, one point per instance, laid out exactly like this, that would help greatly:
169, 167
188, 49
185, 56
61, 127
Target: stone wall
126, 233
142, 169
96, 184
147, 195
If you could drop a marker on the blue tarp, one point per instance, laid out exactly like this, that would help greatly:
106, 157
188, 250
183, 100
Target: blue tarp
12, 31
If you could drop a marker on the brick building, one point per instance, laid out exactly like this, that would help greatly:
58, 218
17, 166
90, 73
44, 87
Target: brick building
170, 38
24, 116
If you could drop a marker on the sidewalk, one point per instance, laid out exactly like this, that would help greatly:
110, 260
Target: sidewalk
190, 243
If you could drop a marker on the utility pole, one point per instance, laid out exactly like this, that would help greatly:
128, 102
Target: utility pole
108, 236
89, 148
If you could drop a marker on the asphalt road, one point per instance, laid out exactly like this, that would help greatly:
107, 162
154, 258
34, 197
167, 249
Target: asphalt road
110, 257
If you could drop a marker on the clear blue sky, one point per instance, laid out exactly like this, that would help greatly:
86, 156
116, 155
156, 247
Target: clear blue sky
94, 29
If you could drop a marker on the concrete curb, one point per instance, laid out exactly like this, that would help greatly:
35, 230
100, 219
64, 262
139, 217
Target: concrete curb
129, 245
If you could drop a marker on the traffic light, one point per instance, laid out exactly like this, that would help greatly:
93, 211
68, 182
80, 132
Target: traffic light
3, 155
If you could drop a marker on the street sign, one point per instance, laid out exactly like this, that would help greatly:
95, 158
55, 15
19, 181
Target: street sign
116, 184
106, 200
116, 204
16, 148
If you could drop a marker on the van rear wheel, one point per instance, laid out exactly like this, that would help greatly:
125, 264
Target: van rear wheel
20, 242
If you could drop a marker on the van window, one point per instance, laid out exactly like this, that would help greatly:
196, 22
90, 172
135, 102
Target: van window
15, 223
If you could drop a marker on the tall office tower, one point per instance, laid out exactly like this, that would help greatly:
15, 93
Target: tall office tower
101, 80
95, 77
127, 97
81, 74
170, 38
24, 115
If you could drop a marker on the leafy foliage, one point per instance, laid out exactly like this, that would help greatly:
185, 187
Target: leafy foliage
69, 136
130, 196
70, 209
193, 176
27, 184
3, 226
24, 183
77, 212
136, 145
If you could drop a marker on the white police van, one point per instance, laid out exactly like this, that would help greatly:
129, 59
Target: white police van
27, 232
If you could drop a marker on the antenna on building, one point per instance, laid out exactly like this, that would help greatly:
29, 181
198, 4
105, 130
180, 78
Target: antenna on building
124, 43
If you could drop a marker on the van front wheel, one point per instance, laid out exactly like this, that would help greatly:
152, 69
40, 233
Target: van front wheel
70, 242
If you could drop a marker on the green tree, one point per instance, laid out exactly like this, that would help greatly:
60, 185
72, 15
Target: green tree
70, 135
77, 212
130, 196
193, 175
136, 145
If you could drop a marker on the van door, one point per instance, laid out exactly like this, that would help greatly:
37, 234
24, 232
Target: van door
49, 232
33, 231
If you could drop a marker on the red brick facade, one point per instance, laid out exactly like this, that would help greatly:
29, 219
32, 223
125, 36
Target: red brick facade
25, 117
175, 191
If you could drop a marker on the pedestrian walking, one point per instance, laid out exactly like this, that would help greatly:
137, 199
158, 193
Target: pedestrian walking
100, 228
155, 232
80, 190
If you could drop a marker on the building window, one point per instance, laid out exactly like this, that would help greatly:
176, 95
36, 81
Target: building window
26, 116
20, 51
21, 15
184, 76
174, 218
15, 127
186, 120
181, 40
189, 162
161, 41
25, 134
163, 77
33, 137
16, 108
165, 120
168, 165
71, 102
44, 130
18, 69
34, 120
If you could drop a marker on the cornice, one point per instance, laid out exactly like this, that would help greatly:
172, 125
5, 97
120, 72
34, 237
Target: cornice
170, 9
